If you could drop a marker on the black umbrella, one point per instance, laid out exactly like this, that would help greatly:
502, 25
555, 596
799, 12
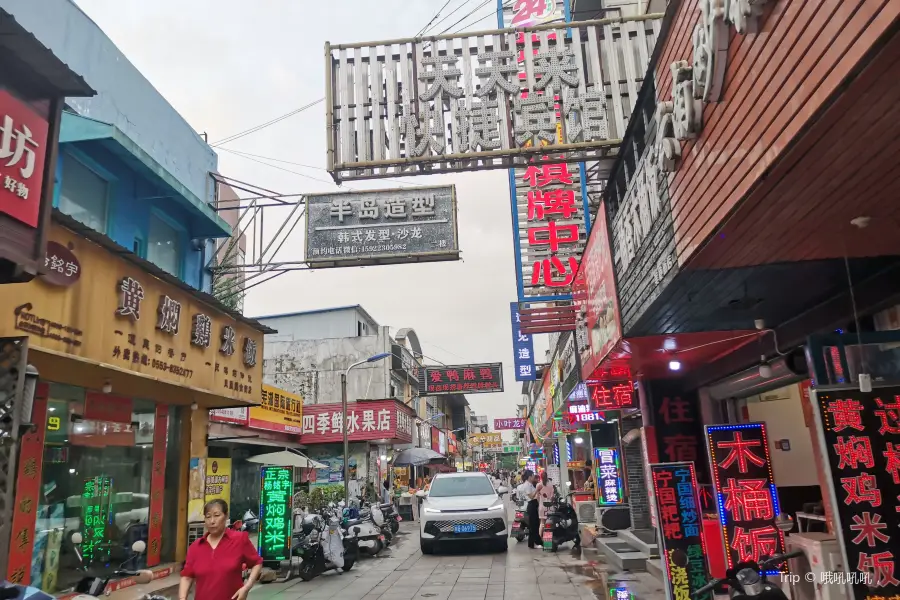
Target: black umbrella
417, 457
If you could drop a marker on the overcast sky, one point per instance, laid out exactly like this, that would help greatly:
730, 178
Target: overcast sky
229, 65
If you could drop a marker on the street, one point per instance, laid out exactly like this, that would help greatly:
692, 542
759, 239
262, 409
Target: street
403, 573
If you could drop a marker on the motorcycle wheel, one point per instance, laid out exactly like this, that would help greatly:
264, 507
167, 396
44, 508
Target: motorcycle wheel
519, 538
395, 526
307, 570
578, 540
379, 546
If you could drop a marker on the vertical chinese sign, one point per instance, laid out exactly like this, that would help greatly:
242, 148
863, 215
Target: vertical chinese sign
275, 501
610, 486
95, 500
681, 528
157, 484
551, 214
523, 347
678, 434
745, 492
862, 443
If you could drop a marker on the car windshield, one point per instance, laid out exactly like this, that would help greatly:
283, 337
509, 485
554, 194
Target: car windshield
444, 487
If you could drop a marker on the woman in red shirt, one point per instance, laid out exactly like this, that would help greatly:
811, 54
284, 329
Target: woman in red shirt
216, 560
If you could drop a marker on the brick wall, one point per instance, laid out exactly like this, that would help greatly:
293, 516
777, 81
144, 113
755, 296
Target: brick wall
638, 499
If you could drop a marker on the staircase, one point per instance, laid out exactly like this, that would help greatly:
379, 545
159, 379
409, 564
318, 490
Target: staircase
632, 550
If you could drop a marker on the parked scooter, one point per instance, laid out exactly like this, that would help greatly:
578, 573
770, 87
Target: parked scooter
748, 580
561, 524
391, 516
519, 527
92, 587
249, 522
372, 538
323, 547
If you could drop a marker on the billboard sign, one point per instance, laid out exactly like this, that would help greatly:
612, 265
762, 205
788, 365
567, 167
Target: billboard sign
454, 103
459, 379
862, 443
492, 440
609, 476
366, 421
746, 493
523, 347
681, 529
23, 147
505, 424
406, 225
599, 327
610, 395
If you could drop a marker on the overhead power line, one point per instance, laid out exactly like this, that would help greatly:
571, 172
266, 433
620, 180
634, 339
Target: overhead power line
235, 136
436, 15
447, 16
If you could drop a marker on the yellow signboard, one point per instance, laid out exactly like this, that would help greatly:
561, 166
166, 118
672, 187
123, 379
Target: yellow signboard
104, 310
218, 479
490, 440
279, 411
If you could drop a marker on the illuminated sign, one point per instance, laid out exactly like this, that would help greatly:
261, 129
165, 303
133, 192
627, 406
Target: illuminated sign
469, 379
609, 476
583, 413
681, 528
745, 492
275, 501
862, 439
95, 498
620, 593
610, 395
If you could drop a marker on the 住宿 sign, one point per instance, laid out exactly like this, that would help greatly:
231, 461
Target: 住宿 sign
381, 227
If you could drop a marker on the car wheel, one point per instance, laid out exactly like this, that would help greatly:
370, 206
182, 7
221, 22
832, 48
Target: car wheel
502, 545
427, 547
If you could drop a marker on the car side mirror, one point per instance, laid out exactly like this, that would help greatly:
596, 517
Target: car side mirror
502, 490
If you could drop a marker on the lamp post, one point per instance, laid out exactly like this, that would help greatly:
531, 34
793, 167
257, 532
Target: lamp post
371, 359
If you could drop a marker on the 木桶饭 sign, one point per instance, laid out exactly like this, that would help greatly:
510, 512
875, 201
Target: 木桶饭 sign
681, 529
381, 227
862, 443
610, 486
468, 379
276, 491
492, 440
514, 423
745, 489
457, 103
367, 420
23, 148
523, 347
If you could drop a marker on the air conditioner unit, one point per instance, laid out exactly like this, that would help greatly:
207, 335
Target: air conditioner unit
822, 554
587, 511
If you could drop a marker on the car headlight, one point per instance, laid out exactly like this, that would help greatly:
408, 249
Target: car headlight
498, 506
431, 510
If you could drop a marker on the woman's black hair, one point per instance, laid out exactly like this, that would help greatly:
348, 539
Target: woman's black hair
526, 475
217, 502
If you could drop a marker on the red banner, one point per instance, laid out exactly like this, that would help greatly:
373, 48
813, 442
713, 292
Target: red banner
157, 484
25, 133
28, 492
366, 421
435, 439
107, 408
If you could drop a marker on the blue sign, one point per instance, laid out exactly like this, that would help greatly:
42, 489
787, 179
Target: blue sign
523, 347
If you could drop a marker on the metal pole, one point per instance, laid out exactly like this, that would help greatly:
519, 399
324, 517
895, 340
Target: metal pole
346, 441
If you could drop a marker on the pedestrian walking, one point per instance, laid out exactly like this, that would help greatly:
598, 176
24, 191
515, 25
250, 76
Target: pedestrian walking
215, 562
544, 493
527, 490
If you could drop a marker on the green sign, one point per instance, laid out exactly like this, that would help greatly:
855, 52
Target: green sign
512, 449
95, 498
277, 490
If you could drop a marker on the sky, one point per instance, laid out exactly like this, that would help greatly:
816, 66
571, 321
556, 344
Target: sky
227, 67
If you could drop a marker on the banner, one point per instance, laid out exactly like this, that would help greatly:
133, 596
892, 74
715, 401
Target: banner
218, 479
523, 347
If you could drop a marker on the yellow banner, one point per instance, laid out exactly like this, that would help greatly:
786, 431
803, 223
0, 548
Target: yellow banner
101, 309
490, 440
278, 411
218, 479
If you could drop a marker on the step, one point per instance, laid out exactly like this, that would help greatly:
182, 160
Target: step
621, 555
654, 568
642, 541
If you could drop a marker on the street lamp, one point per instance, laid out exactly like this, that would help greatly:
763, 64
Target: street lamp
371, 359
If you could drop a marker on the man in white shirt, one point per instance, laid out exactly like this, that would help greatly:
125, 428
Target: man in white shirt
527, 491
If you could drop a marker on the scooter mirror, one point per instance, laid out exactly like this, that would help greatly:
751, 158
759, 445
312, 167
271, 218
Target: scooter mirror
139, 547
144, 576
76, 538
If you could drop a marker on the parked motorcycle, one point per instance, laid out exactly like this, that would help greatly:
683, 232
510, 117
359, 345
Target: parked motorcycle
92, 587
519, 527
323, 546
748, 580
391, 516
561, 524
249, 522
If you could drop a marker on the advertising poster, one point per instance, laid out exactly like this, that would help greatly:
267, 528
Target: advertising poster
196, 489
745, 489
862, 444
681, 529
218, 479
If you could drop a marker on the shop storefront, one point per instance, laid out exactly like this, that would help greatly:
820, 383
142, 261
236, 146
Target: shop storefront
124, 352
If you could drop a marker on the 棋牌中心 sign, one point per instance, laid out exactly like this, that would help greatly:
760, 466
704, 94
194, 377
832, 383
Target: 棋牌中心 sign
381, 227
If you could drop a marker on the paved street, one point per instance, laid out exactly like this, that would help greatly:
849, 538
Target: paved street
403, 573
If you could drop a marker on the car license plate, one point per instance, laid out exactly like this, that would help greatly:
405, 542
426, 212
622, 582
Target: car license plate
464, 528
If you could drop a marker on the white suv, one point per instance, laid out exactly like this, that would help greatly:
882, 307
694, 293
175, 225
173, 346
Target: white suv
462, 507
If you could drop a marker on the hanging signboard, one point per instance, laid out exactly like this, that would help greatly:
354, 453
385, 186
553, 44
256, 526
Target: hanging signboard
492, 440
611, 395
681, 529
582, 413
523, 347
609, 476
366, 421
503, 424
351, 229
275, 504
746, 493
454, 102
862, 443
469, 379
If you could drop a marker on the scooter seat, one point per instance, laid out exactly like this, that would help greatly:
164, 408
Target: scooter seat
351, 522
386, 506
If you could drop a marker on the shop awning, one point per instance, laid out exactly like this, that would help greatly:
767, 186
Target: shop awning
286, 458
